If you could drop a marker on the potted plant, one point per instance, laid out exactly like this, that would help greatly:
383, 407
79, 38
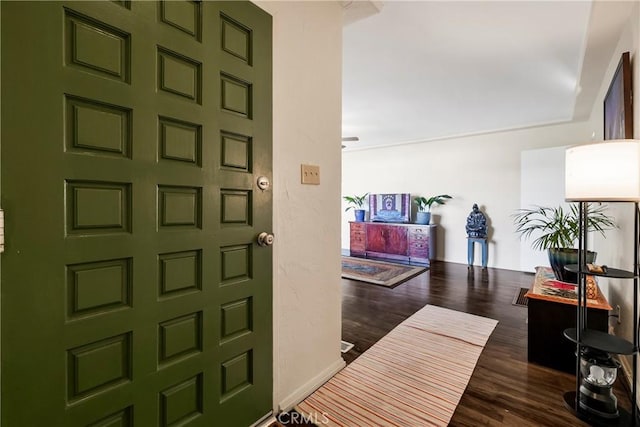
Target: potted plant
559, 233
424, 207
356, 203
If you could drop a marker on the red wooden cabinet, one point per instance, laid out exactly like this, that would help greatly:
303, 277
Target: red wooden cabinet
404, 242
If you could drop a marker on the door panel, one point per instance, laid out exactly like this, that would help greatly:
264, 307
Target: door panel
376, 237
133, 292
396, 240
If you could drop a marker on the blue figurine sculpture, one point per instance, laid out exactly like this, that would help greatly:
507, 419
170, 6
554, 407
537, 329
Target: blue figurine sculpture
477, 232
476, 224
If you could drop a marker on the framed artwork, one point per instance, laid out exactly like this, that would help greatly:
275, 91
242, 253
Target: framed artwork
390, 207
618, 109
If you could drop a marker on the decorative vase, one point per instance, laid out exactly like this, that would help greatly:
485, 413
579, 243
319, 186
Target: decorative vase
560, 257
359, 215
423, 218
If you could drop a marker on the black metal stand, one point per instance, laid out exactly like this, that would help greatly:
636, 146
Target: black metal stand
623, 420
584, 337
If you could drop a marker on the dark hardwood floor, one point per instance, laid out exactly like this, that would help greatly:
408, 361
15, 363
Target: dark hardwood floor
505, 390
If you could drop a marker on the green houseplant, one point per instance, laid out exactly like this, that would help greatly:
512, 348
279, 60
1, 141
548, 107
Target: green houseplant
558, 233
424, 206
356, 203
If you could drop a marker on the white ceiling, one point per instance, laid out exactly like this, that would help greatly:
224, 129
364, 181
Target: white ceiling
416, 71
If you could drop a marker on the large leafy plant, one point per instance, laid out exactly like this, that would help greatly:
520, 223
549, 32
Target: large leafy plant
355, 202
558, 227
424, 204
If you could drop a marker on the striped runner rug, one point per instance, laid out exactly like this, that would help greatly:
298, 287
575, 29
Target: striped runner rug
413, 376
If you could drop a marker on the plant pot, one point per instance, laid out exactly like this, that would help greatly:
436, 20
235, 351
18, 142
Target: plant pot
359, 215
558, 258
423, 218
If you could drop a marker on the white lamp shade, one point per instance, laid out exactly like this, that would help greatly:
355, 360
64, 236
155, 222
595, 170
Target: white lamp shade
607, 171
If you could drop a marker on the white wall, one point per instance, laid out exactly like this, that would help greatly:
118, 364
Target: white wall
483, 169
307, 70
540, 172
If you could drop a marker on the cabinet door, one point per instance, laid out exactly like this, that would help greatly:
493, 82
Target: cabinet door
387, 238
396, 240
376, 237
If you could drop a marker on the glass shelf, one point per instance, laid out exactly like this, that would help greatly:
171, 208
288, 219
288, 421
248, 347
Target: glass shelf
611, 272
600, 341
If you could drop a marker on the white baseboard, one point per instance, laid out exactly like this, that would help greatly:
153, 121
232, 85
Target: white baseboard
310, 386
626, 370
265, 421
627, 374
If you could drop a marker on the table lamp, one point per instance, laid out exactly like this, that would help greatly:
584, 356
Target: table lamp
603, 172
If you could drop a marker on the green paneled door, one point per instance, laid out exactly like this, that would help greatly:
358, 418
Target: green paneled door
133, 290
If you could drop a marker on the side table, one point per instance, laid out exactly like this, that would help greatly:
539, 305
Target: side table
552, 309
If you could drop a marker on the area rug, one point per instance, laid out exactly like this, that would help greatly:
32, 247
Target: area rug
413, 376
377, 272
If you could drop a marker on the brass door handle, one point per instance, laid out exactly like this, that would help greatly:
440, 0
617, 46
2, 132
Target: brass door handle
265, 239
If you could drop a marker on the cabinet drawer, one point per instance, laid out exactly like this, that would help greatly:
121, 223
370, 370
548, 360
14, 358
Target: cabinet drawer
357, 227
419, 249
357, 237
357, 241
418, 234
